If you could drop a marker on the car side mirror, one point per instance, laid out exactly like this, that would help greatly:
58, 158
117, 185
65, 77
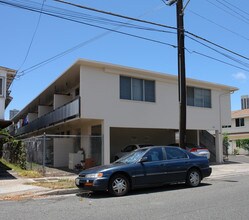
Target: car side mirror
143, 159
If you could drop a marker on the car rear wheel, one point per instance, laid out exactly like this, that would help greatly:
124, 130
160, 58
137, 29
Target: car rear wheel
119, 185
193, 178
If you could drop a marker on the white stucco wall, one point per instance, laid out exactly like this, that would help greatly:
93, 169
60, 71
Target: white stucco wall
62, 148
32, 116
3, 75
60, 100
241, 129
2, 107
42, 110
100, 100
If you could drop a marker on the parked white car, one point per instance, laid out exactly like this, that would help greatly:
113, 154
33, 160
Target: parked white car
195, 149
130, 148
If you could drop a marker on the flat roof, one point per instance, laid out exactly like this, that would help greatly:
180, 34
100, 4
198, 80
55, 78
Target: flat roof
119, 69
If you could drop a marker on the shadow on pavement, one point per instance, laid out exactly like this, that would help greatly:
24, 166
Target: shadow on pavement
137, 192
5, 172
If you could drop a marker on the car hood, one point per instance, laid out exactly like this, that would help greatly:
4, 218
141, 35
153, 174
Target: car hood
101, 168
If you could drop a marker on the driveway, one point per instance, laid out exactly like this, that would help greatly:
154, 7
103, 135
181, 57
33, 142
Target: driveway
238, 159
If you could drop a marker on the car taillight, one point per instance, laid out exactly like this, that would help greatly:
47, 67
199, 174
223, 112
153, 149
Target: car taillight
193, 150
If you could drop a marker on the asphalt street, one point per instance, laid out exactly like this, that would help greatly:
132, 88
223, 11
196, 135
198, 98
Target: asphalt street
223, 198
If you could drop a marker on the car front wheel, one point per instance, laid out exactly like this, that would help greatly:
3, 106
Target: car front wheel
119, 185
193, 178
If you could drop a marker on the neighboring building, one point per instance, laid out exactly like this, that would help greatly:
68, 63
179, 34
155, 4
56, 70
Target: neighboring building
13, 113
122, 105
6, 77
244, 102
239, 130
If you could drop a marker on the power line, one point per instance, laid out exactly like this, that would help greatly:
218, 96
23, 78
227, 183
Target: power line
33, 36
153, 23
239, 18
232, 9
228, 56
139, 20
212, 58
217, 45
227, 29
116, 15
108, 29
234, 6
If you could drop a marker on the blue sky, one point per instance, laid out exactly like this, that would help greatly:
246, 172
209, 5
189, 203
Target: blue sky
225, 23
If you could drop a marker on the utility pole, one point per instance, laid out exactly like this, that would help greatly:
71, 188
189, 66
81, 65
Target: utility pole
181, 71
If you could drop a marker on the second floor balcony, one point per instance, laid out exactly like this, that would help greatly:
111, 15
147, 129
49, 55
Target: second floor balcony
66, 112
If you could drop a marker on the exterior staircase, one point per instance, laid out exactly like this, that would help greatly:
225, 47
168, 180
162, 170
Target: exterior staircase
208, 140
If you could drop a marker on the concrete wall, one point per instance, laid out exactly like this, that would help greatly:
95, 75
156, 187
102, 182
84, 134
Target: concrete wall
121, 137
100, 99
42, 110
235, 129
60, 100
62, 148
32, 116
3, 75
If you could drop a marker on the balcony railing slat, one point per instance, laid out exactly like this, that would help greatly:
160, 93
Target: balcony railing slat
60, 114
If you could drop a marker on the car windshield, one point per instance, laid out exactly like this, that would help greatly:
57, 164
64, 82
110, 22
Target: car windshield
132, 157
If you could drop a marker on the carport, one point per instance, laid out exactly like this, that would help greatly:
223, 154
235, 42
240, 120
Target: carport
121, 137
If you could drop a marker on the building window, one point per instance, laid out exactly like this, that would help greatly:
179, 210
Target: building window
1, 86
198, 97
239, 122
137, 89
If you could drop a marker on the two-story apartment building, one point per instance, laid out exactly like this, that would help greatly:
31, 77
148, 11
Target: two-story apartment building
122, 105
239, 129
6, 77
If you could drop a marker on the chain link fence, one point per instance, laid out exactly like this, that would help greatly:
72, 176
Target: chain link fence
67, 152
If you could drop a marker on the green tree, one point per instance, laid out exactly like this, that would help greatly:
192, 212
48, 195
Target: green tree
15, 147
243, 143
225, 142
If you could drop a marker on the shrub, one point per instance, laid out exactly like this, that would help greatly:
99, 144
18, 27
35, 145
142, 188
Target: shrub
236, 151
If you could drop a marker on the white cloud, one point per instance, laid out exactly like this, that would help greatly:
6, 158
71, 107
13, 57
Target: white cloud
240, 76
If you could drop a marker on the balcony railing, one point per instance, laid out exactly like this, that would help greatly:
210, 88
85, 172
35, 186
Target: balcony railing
63, 113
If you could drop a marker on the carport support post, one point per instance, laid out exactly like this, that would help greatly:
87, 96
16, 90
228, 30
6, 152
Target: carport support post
44, 152
106, 142
218, 146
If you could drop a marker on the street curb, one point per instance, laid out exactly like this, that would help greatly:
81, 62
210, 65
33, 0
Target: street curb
59, 192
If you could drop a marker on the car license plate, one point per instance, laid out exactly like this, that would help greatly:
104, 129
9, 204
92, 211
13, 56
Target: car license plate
77, 182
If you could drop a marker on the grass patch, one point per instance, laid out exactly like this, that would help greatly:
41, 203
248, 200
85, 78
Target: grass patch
58, 184
20, 171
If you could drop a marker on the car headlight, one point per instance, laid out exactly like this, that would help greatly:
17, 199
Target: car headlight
94, 175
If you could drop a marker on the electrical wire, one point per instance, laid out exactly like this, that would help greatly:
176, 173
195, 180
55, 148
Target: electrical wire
228, 12
221, 61
128, 34
228, 56
224, 28
233, 10
33, 37
234, 6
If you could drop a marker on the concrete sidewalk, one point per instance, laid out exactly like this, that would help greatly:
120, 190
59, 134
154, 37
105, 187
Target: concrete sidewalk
18, 188
21, 188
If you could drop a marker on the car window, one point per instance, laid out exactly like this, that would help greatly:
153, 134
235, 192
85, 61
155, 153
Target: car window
154, 154
132, 157
134, 147
129, 148
175, 153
